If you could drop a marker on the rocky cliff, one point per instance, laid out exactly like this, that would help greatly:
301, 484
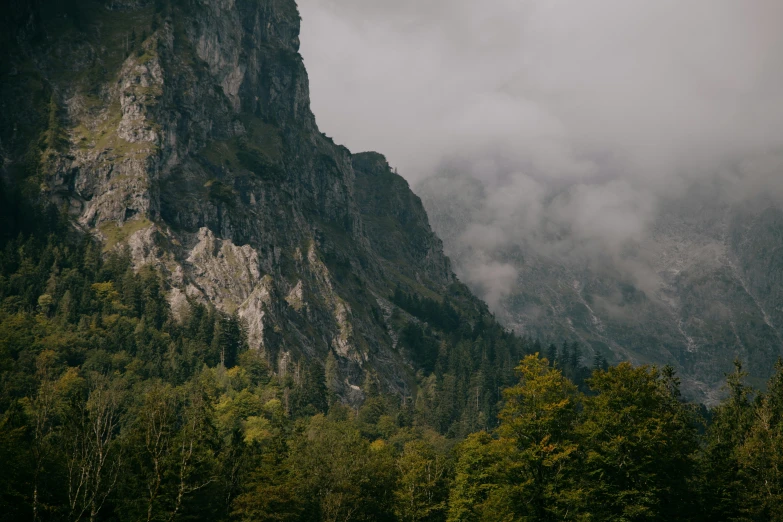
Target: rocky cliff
182, 130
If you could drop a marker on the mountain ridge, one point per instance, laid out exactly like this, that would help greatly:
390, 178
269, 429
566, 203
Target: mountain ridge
182, 131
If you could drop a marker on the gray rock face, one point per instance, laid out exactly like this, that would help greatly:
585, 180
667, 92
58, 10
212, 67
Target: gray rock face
199, 151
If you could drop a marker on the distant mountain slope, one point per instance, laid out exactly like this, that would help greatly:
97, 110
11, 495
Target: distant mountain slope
705, 285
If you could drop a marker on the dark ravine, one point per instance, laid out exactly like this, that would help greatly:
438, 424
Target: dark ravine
183, 131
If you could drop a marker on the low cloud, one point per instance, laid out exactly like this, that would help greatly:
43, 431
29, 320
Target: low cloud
555, 124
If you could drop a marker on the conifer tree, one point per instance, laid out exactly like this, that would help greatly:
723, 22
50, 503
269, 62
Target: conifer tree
551, 354
723, 489
54, 133
760, 455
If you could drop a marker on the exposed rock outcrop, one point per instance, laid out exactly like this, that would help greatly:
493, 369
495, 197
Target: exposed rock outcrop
188, 136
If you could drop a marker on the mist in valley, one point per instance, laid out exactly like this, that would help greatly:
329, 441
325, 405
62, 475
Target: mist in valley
601, 149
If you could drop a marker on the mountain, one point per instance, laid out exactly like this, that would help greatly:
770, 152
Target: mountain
182, 132
210, 311
700, 288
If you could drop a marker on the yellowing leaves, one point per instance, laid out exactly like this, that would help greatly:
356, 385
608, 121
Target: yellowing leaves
256, 429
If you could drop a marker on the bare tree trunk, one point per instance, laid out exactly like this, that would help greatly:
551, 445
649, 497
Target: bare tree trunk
94, 465
193, 433
42, 412
158, 417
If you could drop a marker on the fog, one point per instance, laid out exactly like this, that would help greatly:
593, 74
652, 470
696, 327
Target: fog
560, 124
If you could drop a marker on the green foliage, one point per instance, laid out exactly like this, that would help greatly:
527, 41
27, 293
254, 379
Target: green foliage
259, 152
222, 192
310, 395
539, 421
116, 234
440, 315
743, 458
468, 361
54, 137
624, 452
641, 444
422, 486
112, 410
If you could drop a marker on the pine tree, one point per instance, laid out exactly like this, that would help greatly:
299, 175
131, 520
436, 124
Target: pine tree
53, 137
551, 355
723, 490
599, 362
760, 455
564, 359
575, 358
310, 395
229, 339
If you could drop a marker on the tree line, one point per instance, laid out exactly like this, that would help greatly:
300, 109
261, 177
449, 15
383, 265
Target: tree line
112, 410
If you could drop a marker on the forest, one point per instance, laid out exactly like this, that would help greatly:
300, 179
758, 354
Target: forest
111, 409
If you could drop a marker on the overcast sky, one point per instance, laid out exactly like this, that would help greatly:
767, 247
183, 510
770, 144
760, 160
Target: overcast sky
660, 84
581, 112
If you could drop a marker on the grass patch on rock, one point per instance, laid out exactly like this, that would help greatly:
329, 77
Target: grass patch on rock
116, 234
